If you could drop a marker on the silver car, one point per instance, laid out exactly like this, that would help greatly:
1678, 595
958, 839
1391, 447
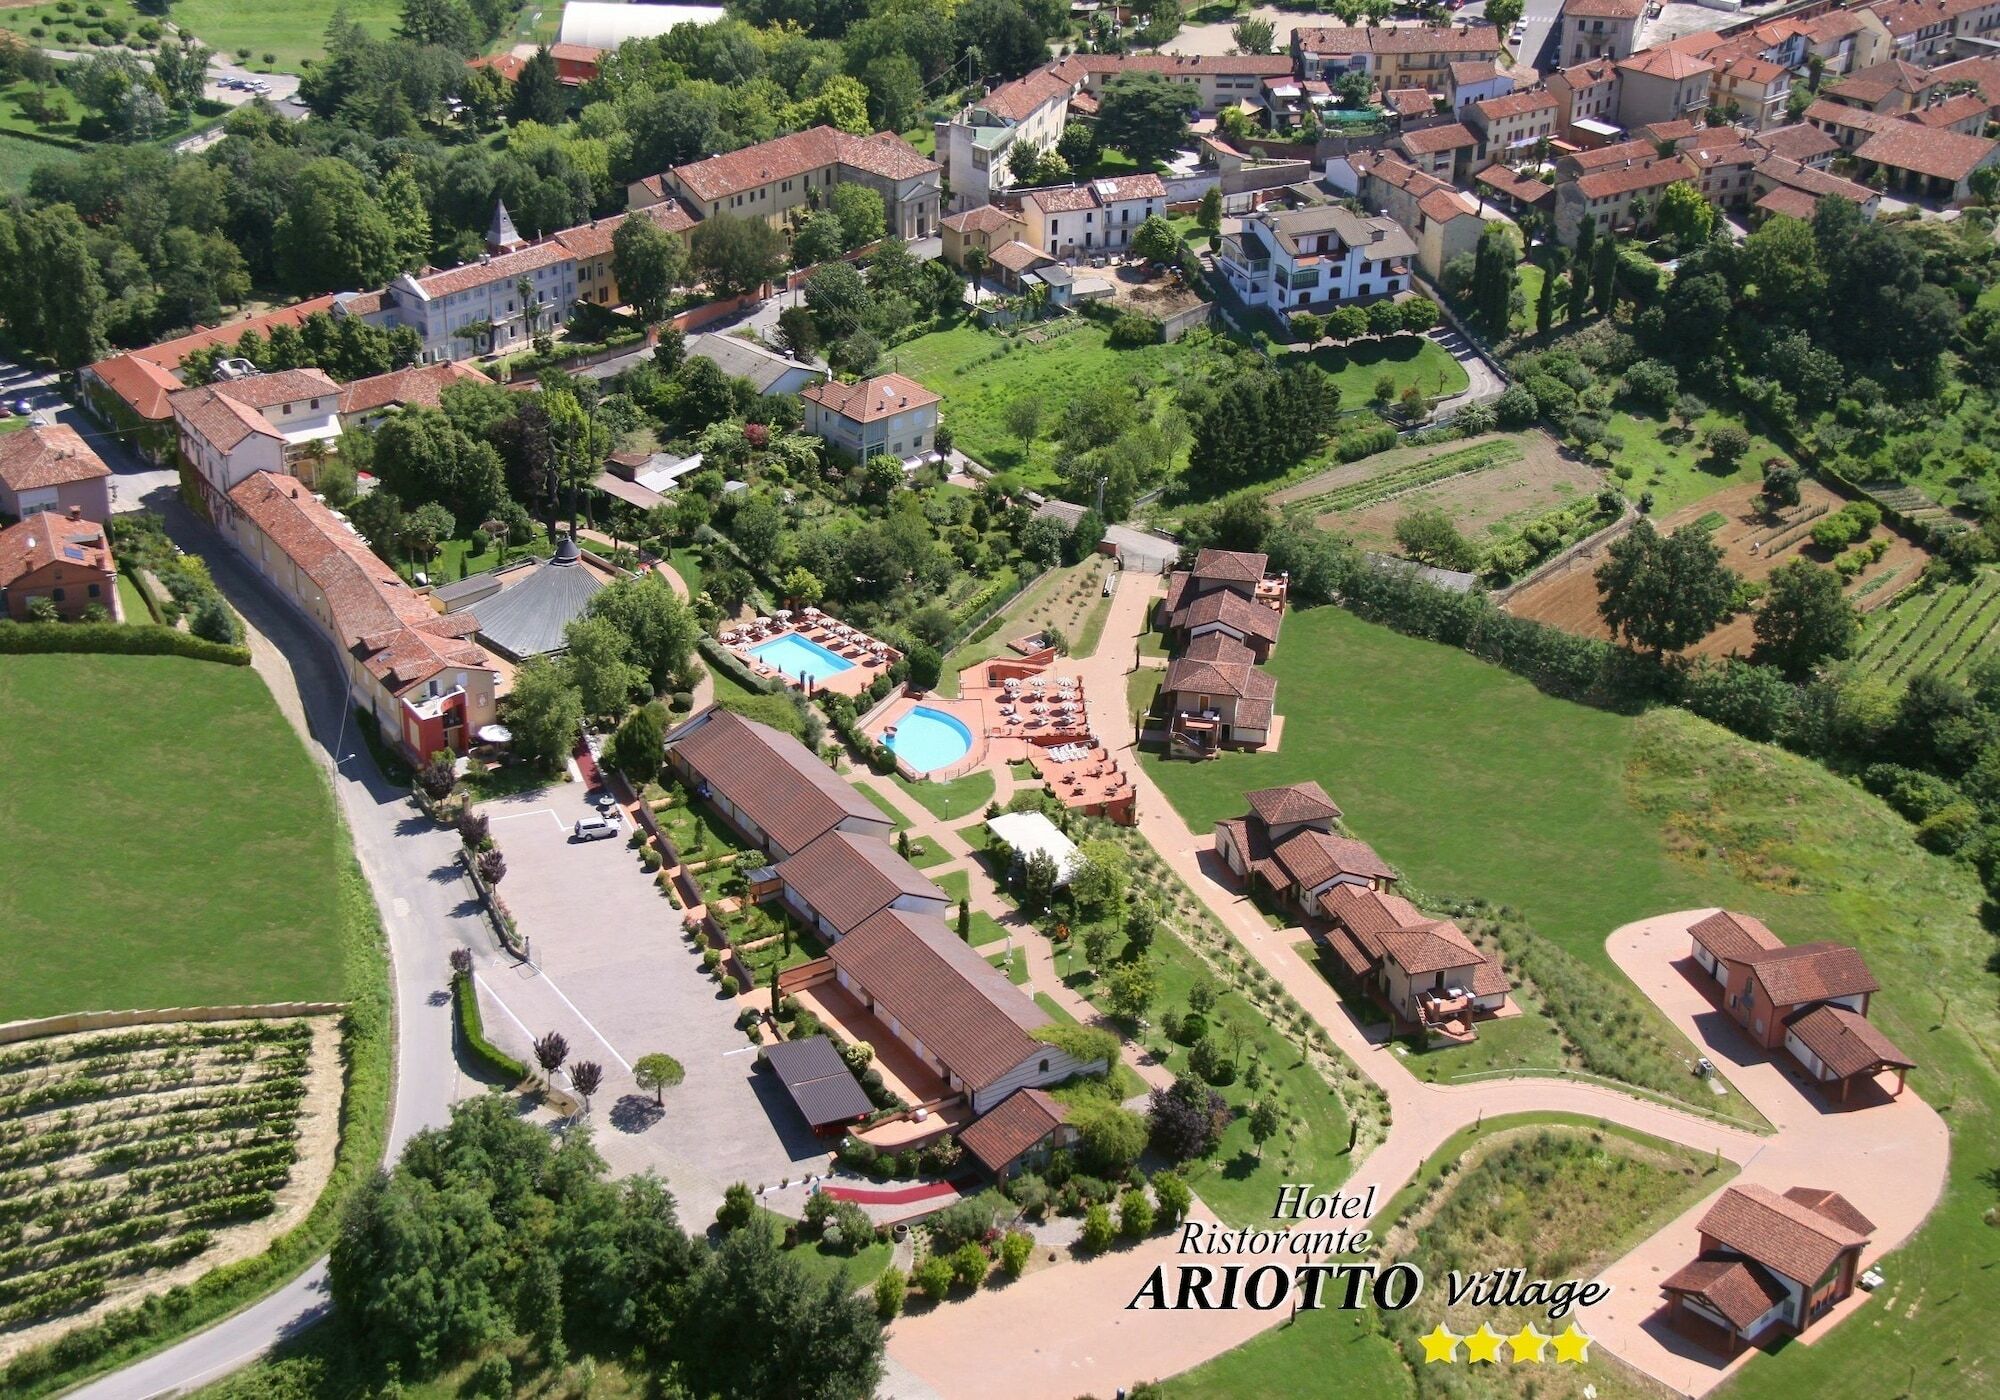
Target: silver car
595, 828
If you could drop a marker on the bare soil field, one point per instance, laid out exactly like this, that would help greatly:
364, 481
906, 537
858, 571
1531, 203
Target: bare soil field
1485, 503
1753, 544
1165, 295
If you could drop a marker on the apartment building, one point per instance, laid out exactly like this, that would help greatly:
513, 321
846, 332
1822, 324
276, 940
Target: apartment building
976, 145
1442, 221
1598, 29
1515, 122
1446, 151
1607, 197
1404, 56
1300, 258
1070, 221
1215, 80
1753, 92
1585, 92
1663, 85
247, 423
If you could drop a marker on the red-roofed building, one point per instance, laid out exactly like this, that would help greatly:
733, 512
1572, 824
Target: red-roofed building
1663, 85
1019, 1135
429, 686
1402, 56
1598, 29
364, 403
1068, 221
51, 467
887, 414
773, 179
1519, 119
1424, 970
1811, 998
64, 560
1770, 1265
282, 423
1287, 844
1605, 196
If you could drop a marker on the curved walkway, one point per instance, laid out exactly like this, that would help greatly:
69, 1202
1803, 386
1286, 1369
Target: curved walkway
1064, 1331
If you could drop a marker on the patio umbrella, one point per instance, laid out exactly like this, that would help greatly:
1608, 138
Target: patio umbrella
785, 613
495, 734
763, 622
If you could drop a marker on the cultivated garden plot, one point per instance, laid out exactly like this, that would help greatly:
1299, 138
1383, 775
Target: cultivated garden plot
132, 1160
1942, 630
1753, 544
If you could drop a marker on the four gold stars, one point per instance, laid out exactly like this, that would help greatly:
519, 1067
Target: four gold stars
1525, 1346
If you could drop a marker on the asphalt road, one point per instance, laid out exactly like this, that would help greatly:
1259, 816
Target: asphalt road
426, 908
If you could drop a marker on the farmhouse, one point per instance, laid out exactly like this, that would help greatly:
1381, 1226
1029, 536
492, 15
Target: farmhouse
1425, 970
64, 560
980, 229
1770, 1265
1811, 999
50, 467
1286, 844
771, 787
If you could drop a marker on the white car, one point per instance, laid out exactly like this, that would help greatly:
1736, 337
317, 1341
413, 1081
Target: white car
595, 828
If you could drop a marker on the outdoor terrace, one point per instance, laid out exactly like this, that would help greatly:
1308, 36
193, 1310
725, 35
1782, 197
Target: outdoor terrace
817, 653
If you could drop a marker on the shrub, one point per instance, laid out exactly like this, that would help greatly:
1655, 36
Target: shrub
1132, 329
1014, 1252
968, 1266
933, 1276
962, 1222
1135, 1214
1097, 1231
1031, 1194
889, 1291
492, 1378
738, 1208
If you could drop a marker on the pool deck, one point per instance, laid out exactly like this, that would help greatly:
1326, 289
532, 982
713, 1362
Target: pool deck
856, 648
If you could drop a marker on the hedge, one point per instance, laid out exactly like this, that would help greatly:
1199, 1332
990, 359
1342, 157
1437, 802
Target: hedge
470, 1025
719, 656
22, 638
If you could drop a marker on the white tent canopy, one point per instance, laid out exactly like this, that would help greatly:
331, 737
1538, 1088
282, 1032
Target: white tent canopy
1030, 833
605, 26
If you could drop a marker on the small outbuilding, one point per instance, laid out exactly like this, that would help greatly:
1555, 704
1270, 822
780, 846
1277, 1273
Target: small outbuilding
821, 1085
1028, 834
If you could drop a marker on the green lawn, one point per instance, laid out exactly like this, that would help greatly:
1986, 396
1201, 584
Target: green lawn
1477, 784
459, 559
687, 563
1672, 465
294, 33
1408, 359
956, 883
1531, 292
19, 158
958, 798
886, 805
132, 601
174, 844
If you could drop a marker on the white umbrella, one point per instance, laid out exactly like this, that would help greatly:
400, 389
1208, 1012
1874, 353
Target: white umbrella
763, 622
813, 612
495, 734
785, 613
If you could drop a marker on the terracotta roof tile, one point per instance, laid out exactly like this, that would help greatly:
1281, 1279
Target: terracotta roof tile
420, 385
1648, 175
1738, 1289
1232, 610
44, 455
981, 218
1401, 39
1235, 566
1670, 64
1022, 98
1781, 1234
884, 154
867, 400
847, 878
1515, 104
1737, 937
1603, 9
1433, 140
1833, 1206
1298, 802
46, 538
1799, 142
773, 779
593, 240
504, 268
1020, 1122
1846, 1042
1812, 972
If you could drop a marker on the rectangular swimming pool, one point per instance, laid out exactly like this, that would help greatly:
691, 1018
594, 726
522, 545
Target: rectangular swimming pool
794, 656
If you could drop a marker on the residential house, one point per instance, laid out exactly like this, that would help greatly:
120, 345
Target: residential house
1287, 844
1216, 696
976, 146
950, 1007
64, 560
1662, 85
1928, 31
1425, 970
1400, 57
48, 466
1891, 87
1609, 197
1214, 81
1069, 221
1847, 126
1301, 258
1598, 29
1845, 40
1924, 161
1443, 221
1474, 80
870, 417
1811, 999
1195, 608
1786, 187
1409, 104
1770, 1265
783, 179
769, 371
1753, 92
845, 878
1020, 1134
1725, 165
1444, 152
1585, 92
768, 785
1512, 190
1801, 143
365, 403
980, 229
429, 687
280, 423
1513, 125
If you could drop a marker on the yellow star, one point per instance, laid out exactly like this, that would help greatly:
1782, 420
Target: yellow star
1528, 1344
1572, 1345
1483, 1345
1440, 1345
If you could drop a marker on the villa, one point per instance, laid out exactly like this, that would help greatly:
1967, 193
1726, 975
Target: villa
1222, 616
1811, 999
1286, 844
888, 414
1770, 1265
1424, 970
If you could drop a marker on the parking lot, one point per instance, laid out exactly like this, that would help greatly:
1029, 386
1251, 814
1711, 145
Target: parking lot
611, 970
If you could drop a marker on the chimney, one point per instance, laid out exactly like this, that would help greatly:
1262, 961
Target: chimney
76, 512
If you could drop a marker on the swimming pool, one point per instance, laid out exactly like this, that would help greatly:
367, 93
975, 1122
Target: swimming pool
928, 739
800, 659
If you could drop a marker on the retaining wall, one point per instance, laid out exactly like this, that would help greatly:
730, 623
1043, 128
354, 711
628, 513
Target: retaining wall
73, 1022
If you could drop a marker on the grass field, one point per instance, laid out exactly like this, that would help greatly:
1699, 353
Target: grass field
294, 33
1584, 820
958, 798
19, 157
1942, 629
1069, 600
1671, 464
184, 850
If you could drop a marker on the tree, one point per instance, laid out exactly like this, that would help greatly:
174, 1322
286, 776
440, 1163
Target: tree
1264, 1124
1683, 215
599, 663
1503, 15
422, 456
770, 1328
1726, 444
890, 1289
1428, 536
425, 530
545, 712
214, 621
1097, 880
1144, 115
1142, 922
1664, 593
538, 94
1023, 416
1186, 1120
1805, 619
861, 215
1155, 240
181, 65
635, 749
1097, 1232
648, 263
333, 231
1495, 278
586, 1077
1781, 485
1131, 988
736, 255
492, 867
738, 1208
1208, 216
659, 628
818, 240
798, 336
925, 666
1604, 275
838, 300
438, 776
1545, 303
550, 1052
1253, 35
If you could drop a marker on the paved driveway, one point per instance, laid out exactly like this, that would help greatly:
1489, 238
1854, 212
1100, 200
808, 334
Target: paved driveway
611, 971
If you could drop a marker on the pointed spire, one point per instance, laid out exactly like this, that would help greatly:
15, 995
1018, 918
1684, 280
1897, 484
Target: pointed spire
502, 235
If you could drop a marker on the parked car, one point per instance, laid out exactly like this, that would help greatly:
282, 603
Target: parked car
595, 828
24, 406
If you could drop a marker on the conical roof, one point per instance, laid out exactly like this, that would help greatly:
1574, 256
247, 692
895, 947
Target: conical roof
502, 235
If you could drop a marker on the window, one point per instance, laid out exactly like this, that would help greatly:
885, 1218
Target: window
1045, 1067
94, 590
57, 595
288, 410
